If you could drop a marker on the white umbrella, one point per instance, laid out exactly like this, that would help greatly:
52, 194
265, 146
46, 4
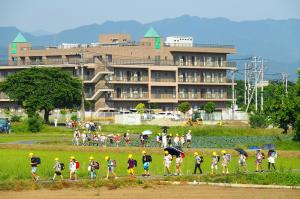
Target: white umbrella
147, 132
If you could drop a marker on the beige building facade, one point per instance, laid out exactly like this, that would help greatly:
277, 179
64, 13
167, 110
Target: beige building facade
119, 73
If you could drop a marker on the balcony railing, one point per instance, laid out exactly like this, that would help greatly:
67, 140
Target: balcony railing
163, 96
201, 80
130, 79
198, 95
195, 45
132, 95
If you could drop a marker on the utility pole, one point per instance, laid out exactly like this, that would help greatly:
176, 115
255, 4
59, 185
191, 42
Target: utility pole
286, 81
245, 86
82, 109
262, 86
256, 80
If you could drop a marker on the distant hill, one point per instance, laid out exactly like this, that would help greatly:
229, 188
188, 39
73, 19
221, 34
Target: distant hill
276, 40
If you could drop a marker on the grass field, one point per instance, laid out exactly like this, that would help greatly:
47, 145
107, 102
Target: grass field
17, 166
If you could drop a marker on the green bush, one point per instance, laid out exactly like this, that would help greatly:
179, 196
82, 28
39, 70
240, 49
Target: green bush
258, 121
16, 118
35, 123
297, 129
74, 117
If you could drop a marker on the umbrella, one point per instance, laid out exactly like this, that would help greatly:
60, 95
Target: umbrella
241, 151
268, 146
110, 135
175, 151
147, 132
254, 148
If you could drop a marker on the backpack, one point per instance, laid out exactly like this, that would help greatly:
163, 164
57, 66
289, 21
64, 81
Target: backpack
114, 163
263, 155
218, 157
37, 160
125, 135
77, 165
201, 159
148, 158
228, 157
62, 166
97, 165
135, 163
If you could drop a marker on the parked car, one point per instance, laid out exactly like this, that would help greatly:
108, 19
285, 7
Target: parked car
163, 115
176, 117
4, 125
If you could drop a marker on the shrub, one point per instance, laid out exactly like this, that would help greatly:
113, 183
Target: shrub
297, 129
258, 120
35, 123
16, 118
184, 107
74, 117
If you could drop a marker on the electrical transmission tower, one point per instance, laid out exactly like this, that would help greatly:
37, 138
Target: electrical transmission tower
254, 79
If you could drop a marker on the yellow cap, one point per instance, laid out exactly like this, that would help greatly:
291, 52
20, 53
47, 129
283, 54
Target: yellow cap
196, 153
214, 153
30, 154
223, 151
72, 157
176, 134
143, 152
130, 156
118, 134
56, 159
166, 152
106, 158
91, 158
170, 134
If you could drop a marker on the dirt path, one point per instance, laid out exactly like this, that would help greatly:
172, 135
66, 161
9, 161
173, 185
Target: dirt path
162, 191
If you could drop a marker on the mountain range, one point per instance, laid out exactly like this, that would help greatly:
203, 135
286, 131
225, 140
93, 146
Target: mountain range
277, 41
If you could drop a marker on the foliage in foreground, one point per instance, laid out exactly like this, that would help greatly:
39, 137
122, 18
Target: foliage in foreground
289, 179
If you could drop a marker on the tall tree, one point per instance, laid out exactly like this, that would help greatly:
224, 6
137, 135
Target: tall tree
44, 89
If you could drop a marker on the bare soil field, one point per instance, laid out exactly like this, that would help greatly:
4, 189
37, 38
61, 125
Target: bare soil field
158, 191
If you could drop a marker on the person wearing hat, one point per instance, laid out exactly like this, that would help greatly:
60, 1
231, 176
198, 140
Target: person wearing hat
225, 160
146, 159
72, 167
33, 164
57, 169
111, 164
189, 139
198, 161
214, 163
131, 165
259, 161
167, 162
92, 168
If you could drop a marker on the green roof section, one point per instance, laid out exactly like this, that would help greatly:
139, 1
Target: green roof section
151, 33
20, 39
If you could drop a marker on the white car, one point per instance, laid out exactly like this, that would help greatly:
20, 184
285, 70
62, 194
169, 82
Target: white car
163, 115
176, 117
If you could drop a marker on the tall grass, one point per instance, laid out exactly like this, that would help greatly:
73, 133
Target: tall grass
15, 162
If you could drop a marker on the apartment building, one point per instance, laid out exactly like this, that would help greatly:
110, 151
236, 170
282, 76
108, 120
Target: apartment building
118, 73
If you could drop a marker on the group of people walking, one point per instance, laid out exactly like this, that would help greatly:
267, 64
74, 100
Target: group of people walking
224, 158
163, 140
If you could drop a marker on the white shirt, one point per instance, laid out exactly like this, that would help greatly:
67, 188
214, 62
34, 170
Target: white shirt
72, 166
168, 159
188, 136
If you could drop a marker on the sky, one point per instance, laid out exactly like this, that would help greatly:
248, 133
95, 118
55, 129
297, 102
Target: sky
57, 15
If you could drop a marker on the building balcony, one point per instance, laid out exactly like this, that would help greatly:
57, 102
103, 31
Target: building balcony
132, 80
202, 97
134, 96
